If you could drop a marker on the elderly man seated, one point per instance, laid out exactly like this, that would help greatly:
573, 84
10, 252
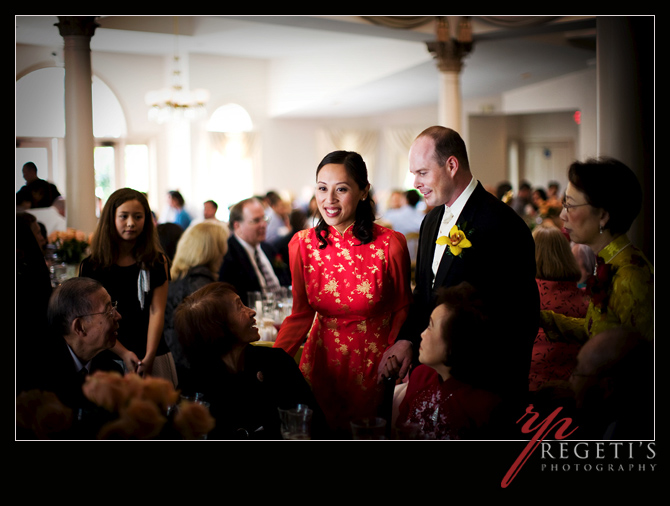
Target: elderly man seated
83, 322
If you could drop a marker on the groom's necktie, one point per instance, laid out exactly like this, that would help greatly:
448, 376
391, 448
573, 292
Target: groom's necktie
442, 231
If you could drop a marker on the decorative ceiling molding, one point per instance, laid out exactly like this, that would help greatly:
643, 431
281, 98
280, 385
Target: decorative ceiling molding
401, 22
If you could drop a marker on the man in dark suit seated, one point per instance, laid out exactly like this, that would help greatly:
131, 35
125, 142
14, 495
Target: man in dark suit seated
83, 322
251, 264
470, 235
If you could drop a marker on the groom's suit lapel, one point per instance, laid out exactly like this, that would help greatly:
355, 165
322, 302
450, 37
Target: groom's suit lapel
429, 235
467, 215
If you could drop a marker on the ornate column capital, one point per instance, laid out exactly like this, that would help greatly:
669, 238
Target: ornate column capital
449, 52
77, 25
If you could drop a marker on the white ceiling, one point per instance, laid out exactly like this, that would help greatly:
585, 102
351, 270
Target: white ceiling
342, 66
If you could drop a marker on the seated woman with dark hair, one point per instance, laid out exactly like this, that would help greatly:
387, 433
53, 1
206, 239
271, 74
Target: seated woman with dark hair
443, 398
243, 384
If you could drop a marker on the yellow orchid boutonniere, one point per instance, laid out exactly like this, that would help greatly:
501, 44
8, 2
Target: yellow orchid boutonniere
457, 241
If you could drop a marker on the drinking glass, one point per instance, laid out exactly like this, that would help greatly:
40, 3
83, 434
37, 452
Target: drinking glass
296, 422
369, 428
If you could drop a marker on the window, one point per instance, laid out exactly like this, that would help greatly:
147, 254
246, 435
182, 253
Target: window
230, 118
103, 161
137, 167
231, 168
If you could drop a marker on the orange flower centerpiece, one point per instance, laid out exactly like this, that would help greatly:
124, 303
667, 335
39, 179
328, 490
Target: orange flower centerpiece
41, 415
70, 245
144, 408
123, 407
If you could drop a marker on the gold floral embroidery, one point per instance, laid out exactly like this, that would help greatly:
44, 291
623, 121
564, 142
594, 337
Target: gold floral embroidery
345, 253
364, 287
359, 379
362, 327
331, 287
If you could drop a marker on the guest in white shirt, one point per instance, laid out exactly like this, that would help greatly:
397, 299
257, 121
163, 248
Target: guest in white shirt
407, 219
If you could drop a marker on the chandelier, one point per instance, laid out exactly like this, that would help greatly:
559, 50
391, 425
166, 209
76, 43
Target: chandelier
175, 101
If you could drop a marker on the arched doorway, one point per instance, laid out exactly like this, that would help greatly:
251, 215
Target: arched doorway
40, 128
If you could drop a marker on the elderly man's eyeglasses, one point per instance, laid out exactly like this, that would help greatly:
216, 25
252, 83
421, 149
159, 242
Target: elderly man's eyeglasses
567, 206
109, 312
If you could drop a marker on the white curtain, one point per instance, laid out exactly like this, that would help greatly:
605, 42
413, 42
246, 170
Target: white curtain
398, 141
363, 142
395, 141
219, 141
235, 170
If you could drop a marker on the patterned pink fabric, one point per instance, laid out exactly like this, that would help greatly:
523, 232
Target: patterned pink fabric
555, 360
445, 409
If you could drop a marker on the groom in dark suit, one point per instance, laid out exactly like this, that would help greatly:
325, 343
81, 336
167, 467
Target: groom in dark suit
470, 235
251, 264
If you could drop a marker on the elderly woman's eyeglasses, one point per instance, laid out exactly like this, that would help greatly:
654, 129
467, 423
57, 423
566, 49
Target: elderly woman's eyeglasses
109, 312
567, 206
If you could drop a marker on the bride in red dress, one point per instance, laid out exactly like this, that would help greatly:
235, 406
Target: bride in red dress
354, 276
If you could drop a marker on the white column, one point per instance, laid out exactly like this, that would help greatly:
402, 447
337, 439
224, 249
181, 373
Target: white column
449, 114
79, 140
449, 53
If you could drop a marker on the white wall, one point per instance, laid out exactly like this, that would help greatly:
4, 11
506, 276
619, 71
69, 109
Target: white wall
541, 111
572, 92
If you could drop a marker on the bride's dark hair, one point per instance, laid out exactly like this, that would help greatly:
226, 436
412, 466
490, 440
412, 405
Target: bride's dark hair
365, 210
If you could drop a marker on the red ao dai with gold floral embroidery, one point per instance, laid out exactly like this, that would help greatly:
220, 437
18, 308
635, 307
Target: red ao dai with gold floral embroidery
352, 299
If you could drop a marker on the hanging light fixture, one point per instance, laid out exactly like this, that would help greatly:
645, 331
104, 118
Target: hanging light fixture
176, 101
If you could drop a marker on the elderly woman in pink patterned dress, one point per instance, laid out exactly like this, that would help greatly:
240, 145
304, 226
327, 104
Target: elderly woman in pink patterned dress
444, 399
